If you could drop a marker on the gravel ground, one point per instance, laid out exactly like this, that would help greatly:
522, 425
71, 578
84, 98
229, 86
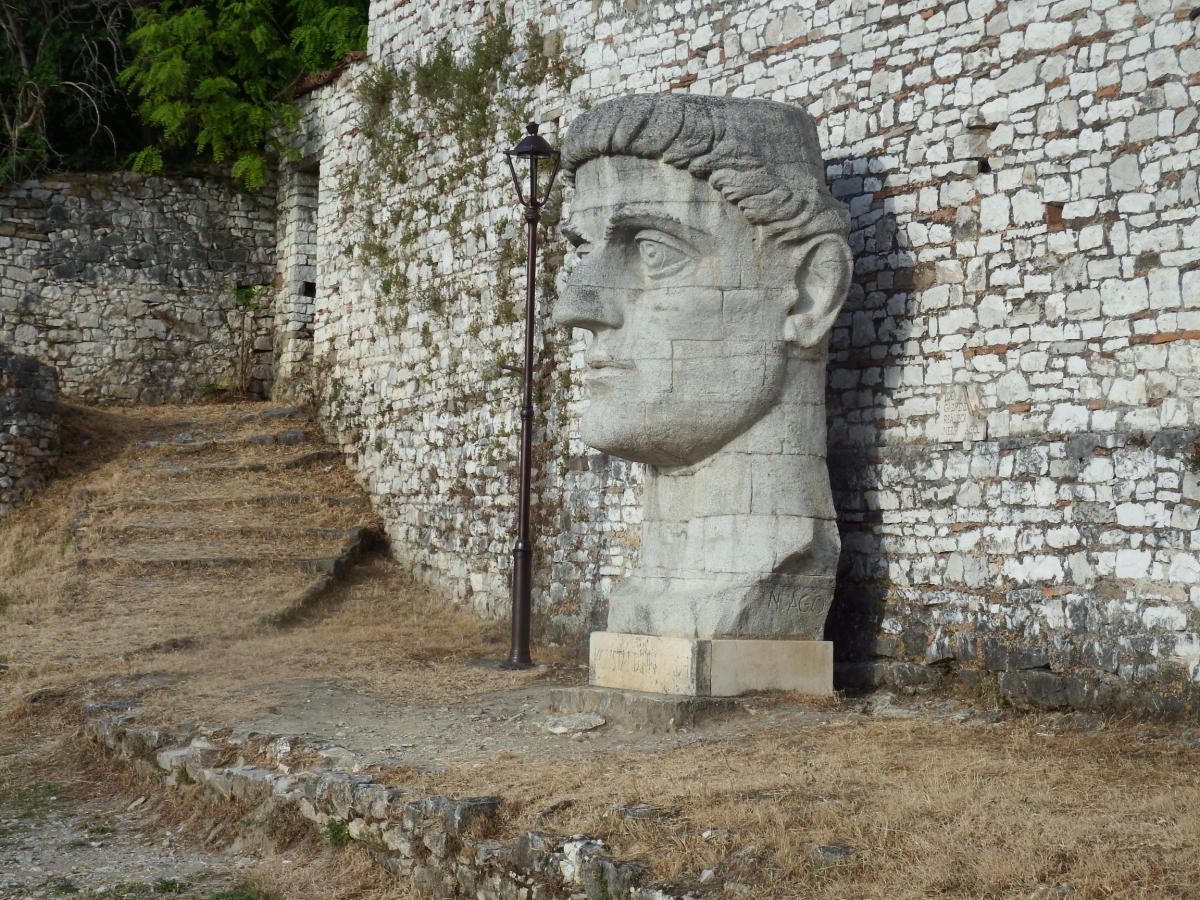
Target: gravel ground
72, 824
51, 847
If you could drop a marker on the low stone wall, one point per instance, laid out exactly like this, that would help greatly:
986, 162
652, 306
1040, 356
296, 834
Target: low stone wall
126, 284
29, 422
435, 841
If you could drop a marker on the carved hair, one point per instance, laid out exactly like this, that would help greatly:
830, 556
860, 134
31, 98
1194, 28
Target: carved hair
760, 155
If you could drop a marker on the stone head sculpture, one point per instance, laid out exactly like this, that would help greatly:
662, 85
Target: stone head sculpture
714, 262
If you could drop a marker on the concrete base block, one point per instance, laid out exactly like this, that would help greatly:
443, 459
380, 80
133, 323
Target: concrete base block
709, 668
641, 711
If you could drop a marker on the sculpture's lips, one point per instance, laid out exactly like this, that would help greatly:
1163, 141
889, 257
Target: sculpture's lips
607, 377
608, 372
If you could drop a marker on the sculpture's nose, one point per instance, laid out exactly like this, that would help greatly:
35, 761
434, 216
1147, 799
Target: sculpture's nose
588, 306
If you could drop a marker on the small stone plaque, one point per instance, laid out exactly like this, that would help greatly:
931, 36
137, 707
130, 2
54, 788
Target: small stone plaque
641, 662
960, 415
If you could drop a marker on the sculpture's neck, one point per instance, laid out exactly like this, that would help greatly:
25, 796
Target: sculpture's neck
757, 505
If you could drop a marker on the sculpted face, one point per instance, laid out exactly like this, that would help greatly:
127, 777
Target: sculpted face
713, 265
689, 306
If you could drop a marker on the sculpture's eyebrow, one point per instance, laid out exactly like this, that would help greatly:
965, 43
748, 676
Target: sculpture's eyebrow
638, 215
571, 233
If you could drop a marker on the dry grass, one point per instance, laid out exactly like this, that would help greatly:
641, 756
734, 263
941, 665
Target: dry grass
393, 637
933, 809
92, 635
316, 874
37, 559
185, 544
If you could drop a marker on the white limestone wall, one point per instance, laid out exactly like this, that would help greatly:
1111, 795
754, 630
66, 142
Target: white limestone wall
1014, 386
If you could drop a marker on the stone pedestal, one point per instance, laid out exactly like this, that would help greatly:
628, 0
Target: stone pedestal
709, 668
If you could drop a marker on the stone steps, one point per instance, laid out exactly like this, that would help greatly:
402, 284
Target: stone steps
219, 522
319, 553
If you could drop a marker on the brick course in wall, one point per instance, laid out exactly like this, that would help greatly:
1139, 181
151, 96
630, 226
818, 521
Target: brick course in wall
1014, 384
125, 283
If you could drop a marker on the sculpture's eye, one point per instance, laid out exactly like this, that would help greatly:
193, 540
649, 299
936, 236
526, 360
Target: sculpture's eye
582, 248
662, 255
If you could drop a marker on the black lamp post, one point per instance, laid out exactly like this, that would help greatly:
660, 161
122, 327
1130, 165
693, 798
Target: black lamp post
535, 149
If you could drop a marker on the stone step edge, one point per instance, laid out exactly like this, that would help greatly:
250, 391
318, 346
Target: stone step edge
295, 462
428, 840
362, 540
236, 418
80, 521
321, 565
298, 461
225, 530
367, 540
259, 500
292, 437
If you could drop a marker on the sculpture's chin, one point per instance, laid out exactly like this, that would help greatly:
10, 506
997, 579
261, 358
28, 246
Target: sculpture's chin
646, 433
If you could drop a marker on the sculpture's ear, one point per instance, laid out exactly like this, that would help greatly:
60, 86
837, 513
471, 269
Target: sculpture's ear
824, 267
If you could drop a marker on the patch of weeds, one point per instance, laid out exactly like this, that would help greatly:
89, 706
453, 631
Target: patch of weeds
62, 886
993, 697
183, 776
24, 802
79, 843
99, 828
218, 392
5, 602
131, 890
141, 749
337, 833
169, 886
244, 891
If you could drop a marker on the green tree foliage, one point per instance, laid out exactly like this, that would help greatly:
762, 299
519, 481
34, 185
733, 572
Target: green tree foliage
59, 103
216, 76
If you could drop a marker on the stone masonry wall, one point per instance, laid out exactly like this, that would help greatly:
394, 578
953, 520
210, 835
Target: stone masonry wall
295, 295
1014, 385
125, 284
297, 205
29, 423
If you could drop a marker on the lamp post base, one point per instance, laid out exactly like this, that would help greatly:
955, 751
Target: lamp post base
510, 666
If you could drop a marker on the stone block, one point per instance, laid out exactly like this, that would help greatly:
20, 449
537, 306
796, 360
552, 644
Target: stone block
709, 668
